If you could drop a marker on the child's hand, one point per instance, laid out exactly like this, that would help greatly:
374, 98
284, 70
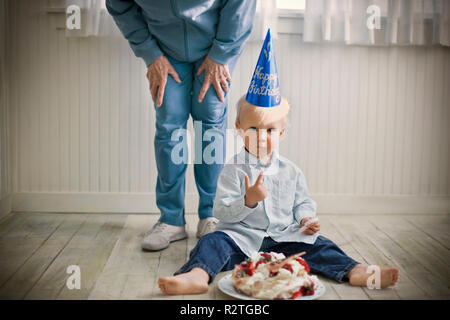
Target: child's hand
312, 228
256, 192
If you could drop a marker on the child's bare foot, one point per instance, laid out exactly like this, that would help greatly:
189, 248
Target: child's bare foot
358, 276
192, 282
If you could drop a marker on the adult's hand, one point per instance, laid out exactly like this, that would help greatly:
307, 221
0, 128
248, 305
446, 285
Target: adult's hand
216, 74
157, 76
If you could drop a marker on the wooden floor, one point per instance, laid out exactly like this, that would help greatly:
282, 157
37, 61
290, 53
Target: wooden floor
37, 248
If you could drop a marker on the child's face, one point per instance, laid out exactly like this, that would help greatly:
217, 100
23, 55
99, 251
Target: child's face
260, 136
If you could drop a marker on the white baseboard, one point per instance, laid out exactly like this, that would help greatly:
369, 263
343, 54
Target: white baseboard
5, 205
381, 204
145, 203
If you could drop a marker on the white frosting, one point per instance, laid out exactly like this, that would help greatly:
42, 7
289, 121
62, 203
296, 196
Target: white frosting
281, 286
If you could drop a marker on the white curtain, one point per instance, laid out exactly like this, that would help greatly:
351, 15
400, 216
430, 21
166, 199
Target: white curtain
95, 21
266, 17
403, 22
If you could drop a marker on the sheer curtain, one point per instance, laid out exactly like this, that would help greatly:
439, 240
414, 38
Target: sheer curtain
95, 20
402, 22
266, 17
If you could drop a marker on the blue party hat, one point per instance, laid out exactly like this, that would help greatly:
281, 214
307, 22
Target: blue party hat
264, 90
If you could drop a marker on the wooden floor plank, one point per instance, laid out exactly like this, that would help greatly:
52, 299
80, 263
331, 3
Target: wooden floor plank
348, 227
410, 240
129, 273
435, 226
404, 261
344, 290
25, 225
18, 244
36, 248
11, 222
429, 243
53, 281
6, 221
30, 272
100, 248
405, 287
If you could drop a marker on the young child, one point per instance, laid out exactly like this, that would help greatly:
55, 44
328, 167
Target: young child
262, 203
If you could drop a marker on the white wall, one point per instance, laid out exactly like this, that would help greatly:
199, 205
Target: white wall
5, 181
369, 126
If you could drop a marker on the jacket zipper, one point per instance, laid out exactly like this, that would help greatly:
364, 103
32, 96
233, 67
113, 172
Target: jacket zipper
174, 10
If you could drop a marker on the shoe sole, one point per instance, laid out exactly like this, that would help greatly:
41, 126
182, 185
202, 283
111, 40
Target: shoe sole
173, 240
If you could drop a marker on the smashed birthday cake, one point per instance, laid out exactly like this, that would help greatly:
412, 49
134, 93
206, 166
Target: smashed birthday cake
273, 276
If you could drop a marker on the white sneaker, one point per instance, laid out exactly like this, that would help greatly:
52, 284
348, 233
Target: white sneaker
206, 226
161, 235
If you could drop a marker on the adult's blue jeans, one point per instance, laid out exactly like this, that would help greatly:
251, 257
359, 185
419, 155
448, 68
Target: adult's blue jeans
181, 100
217, 252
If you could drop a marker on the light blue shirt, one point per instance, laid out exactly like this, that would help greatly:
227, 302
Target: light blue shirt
279, 215
186, 30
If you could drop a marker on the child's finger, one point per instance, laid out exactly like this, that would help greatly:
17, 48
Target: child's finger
247, 183
313, 225
260, 176
305, 220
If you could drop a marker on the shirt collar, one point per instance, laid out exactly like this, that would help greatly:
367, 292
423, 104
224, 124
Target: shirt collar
249, 158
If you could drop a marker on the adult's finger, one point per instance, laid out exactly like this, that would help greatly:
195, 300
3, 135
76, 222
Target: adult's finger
227, 74
219, 91
161, 89
247, 183
153, 89
200, 70
174, 74
224, 84
204, 89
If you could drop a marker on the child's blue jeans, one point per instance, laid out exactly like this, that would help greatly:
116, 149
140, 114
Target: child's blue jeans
217, 252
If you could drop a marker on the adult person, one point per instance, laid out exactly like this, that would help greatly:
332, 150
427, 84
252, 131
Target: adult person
190, 48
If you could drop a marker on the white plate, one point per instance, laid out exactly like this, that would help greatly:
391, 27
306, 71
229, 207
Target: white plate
226, 286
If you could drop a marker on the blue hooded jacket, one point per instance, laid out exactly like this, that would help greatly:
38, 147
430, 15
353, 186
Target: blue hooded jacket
186, 30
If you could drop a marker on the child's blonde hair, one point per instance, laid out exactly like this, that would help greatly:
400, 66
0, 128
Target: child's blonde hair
265, 113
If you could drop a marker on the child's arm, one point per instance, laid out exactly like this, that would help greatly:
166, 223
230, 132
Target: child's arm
304, 206
229, 203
